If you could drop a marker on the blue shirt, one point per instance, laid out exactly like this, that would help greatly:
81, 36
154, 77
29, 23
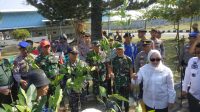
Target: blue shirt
130, 51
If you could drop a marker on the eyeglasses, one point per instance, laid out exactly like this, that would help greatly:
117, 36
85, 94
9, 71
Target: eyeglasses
155, 59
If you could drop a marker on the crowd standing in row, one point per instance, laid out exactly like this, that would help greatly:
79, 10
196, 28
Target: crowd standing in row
127, 64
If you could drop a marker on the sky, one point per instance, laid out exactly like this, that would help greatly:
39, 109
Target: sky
15, 6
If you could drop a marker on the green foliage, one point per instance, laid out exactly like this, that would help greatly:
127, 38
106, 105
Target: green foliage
62, 9
57, 79
20, 34
109, 98
118, 97
105, 45
27, 101
174, 10
30, 62
77, 76
54, 101
94, 57
102, 91
8, 108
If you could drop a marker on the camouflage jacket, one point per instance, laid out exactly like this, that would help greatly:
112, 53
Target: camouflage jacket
49, 64
121, 68
6, 78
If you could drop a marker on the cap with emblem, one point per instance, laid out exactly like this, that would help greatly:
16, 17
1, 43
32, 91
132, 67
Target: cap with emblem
119, 46
23, 44
146, 42
73, 51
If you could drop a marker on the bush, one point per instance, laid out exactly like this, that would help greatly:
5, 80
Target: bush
20, 34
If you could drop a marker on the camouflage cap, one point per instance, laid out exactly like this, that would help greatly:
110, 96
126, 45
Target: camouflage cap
120, 46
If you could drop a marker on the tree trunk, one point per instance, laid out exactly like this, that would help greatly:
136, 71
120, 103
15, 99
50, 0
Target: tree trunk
96, 19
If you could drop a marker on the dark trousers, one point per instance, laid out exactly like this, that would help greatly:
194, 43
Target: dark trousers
194, 104
123, 91
6, 99
109, 86
77, 100
156, 110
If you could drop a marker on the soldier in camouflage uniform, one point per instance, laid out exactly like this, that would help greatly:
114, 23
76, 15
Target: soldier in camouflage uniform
47, 61
96, 58
7, 85
21, 67
71, 64
121, 71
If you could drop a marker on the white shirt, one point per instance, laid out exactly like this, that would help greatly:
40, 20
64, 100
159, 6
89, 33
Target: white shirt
192, 77
158, 86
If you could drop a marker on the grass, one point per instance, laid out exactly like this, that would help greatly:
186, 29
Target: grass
183, 26
171, 59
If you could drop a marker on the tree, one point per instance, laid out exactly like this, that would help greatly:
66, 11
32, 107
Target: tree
79, 10
20, 34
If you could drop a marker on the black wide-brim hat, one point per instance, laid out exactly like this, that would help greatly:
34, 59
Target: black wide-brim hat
38, 78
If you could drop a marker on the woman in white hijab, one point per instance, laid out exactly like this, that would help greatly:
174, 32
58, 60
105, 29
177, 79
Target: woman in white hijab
158, 83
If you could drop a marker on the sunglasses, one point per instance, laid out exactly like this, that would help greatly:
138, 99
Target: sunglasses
155, 59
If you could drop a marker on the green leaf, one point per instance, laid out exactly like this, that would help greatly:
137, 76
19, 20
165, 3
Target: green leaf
58, 96
42, 102
51, 101
102, 91
21, 100
32, 94
118, 97
23, 108
7, 107
57, 80
100, 100
24, 95
2, 110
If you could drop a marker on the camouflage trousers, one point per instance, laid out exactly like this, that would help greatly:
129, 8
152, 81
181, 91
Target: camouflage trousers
96, 84
77, 101
123, 91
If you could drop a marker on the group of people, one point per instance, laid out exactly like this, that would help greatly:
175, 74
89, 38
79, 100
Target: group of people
127, 64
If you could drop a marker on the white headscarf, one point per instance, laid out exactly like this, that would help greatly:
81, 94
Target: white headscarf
160, 66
